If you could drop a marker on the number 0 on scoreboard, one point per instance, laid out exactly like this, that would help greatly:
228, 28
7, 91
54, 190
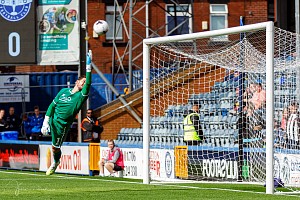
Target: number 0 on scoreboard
18, 32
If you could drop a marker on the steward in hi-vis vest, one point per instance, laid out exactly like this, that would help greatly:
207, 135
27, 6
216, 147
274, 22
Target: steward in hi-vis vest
193, 133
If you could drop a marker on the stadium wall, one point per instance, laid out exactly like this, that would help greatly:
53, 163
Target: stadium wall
253, 12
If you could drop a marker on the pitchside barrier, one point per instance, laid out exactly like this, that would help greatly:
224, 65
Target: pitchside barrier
82, 158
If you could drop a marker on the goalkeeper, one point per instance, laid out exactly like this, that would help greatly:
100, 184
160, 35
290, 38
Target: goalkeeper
63, 110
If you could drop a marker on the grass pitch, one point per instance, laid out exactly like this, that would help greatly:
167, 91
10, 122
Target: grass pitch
35, 185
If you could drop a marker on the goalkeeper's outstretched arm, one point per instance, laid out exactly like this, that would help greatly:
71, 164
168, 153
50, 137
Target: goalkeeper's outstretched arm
88, 81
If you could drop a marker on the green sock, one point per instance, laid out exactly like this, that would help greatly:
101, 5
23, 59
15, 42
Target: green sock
57, 156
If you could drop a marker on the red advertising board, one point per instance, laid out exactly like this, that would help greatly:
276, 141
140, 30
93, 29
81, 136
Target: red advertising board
19, 156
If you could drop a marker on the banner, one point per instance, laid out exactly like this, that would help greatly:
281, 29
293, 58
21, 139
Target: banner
287, 167
19, 156
224, 166
161, 162
58, 32
132, 161
14, 88
74, 159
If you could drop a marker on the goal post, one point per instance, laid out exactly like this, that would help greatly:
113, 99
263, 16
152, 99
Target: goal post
148, 80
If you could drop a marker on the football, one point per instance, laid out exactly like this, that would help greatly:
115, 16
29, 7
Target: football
100, 27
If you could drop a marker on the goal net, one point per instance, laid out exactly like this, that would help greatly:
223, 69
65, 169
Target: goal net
242, 83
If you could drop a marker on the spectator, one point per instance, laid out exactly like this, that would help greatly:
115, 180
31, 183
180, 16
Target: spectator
91, 128
36, 122
114, 161
281, 137
292, 128
13, 120
248, 94
258, 99
193, 134
284, 118
26, 126
3, 123
255, 107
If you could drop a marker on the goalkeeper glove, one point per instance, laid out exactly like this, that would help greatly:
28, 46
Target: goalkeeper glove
45, 128
89, 61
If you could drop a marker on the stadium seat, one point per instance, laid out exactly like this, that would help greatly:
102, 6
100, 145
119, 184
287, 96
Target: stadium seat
193, 98
170, 111
217, 85
217, 142
234, 122
181, 142
178, 110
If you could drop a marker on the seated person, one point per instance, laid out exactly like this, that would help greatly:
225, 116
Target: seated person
13, 120
26, 126
258, 99
36, 122
114, 160
255, 107
3, 123
292, 127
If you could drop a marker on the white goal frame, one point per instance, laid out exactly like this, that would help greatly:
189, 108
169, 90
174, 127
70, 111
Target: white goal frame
269, 27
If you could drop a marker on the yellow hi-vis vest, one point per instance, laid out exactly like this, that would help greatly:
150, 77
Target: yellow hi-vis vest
190, 132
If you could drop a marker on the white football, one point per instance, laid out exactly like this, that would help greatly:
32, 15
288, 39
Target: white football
100, 27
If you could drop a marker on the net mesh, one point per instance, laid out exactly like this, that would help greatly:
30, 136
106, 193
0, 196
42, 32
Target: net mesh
226, 79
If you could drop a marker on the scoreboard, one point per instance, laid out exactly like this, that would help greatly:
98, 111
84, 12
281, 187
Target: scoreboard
17, 32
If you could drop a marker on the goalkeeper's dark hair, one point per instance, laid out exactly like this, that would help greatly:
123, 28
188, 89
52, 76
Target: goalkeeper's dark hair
81, 77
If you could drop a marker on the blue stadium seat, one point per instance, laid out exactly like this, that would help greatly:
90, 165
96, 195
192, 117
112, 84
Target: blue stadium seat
170, 111
217, 85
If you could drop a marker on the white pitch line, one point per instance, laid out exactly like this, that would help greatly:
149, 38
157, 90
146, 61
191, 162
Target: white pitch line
129, 182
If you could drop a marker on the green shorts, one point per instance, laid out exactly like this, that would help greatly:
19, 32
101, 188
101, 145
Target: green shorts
59, 130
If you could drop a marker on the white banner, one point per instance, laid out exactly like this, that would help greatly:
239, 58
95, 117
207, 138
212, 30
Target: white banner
132, 161
58, 32
161, 162
287, 167
14, 88
74, 159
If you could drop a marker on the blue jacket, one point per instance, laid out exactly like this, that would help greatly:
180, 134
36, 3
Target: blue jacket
36, 122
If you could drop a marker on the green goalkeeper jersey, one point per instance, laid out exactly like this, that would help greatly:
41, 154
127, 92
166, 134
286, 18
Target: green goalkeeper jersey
67, 104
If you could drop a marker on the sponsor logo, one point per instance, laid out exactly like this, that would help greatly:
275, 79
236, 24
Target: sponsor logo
276, 167
65, 99
168, 164
14, 10
155, 163
285, 170
13, 84
220, 168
